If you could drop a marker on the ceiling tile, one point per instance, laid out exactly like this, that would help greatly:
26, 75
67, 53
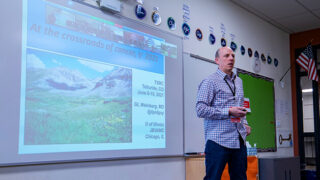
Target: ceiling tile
317, 12
302, 22
275, 8
310, 4
288, 15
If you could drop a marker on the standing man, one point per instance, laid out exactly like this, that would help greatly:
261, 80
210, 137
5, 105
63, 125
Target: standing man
219, 102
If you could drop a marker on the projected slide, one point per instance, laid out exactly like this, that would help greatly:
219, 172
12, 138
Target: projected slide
71, 101
89, 84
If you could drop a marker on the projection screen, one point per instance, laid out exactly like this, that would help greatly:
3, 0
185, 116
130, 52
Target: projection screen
81, 84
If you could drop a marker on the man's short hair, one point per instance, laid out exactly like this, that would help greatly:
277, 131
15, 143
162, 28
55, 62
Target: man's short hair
218, 53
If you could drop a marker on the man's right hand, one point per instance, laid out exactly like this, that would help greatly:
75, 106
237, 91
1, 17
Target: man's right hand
237, 111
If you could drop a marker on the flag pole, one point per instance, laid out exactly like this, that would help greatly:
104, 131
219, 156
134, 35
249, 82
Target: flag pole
285, 73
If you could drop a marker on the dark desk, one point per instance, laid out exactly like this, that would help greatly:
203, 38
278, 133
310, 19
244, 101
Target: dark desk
279, 168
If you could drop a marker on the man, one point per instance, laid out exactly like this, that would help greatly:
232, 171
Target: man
225, 125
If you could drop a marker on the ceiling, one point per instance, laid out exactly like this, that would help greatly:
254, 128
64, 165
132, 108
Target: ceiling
291, 16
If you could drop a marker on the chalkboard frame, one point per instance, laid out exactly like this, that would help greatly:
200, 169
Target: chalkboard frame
267, 79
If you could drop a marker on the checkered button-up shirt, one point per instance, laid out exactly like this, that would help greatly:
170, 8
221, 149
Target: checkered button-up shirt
214, 99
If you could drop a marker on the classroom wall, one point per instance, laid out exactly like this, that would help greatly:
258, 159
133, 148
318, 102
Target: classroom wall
155, 169
244, 28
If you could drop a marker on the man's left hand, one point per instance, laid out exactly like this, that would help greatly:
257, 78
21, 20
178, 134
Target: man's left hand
248, 128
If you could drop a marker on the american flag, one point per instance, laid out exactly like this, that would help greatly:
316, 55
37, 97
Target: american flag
306, 61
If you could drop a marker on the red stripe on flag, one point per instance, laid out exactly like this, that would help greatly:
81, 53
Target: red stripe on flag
306, 61
313, 71
303, 59
310, 68
302, 65
302, 62
303, 56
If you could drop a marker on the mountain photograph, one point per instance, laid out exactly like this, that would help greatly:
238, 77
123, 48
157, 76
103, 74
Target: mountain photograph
75, 101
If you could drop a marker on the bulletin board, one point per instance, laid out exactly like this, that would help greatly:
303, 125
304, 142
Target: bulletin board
260, 91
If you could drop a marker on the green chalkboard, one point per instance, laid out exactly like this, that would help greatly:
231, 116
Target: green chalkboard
260, 91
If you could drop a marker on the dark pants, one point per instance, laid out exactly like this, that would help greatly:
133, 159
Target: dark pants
217, 156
